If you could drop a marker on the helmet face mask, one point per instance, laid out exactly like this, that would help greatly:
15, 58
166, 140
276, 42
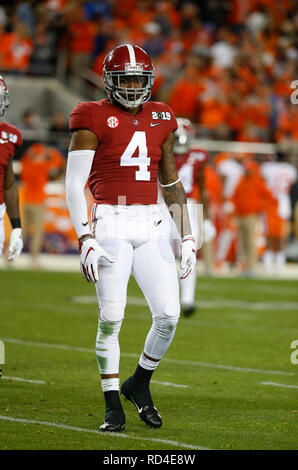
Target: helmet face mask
128, 75
4, 96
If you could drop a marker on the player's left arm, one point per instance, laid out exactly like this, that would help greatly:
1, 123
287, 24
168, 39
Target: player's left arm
203, 192
173, 191
11, 199
175, 199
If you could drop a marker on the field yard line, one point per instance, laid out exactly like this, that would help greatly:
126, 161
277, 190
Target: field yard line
173, 361
20, 379
211, 304
95, 431
169, 384
279, 385
275, 289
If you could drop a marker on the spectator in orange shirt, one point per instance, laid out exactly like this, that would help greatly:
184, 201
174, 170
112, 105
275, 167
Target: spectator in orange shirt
288, 123
16, 49
39, 164
248, 199
214, 111
81, 43
184, 96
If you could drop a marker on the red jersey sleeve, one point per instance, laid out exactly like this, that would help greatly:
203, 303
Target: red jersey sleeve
19, 137
82, 118
172, 123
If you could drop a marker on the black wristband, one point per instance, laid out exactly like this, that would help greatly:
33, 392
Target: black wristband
16, 222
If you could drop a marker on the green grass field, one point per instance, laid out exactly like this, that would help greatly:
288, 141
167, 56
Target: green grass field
227, 381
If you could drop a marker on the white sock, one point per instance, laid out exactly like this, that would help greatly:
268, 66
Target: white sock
268, 259
280, 260
110, 384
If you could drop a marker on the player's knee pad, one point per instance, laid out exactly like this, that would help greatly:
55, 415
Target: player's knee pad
108, 332
165, 327
111, 310
172, 308
168, 307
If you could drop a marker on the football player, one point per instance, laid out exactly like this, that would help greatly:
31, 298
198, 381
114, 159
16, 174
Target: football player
121, 145
10, 138
280, 175
190, 163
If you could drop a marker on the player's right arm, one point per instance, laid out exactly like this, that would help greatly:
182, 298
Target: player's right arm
81, 152
82, 149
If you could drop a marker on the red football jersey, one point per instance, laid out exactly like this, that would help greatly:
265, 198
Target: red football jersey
125, 165
188, 167
10, 138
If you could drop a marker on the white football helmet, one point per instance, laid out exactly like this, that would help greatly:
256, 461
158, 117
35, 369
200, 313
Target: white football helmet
183, 136
4, 96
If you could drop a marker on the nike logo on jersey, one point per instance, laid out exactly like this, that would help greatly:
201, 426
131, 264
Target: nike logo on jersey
153, 124
84, 224
157, 223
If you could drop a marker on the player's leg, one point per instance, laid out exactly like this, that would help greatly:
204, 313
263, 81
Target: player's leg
273, 233
188, 285
155, 271
2, 231
38, 214
111, 291
188, 288
26, 221
250, 223
280, 256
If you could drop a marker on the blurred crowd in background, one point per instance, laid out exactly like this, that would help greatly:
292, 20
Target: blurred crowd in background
234, 61
230, 66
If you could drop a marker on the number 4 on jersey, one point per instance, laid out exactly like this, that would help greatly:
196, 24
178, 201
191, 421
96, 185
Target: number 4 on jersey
138, 141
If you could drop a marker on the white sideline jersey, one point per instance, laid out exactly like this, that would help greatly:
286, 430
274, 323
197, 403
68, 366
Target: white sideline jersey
280, 176
232, 171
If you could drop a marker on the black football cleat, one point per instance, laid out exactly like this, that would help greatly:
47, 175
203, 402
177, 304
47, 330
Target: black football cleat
141, 399
0, 373
114, 421
188, 310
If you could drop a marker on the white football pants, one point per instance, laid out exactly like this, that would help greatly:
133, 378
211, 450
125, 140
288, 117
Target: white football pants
134, 237
2, 231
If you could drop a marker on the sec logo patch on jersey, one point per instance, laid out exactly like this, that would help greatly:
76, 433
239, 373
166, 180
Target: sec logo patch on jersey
113, 122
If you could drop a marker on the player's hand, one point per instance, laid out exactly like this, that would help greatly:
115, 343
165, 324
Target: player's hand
209, 230
90, 252
188, 256
15, 244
